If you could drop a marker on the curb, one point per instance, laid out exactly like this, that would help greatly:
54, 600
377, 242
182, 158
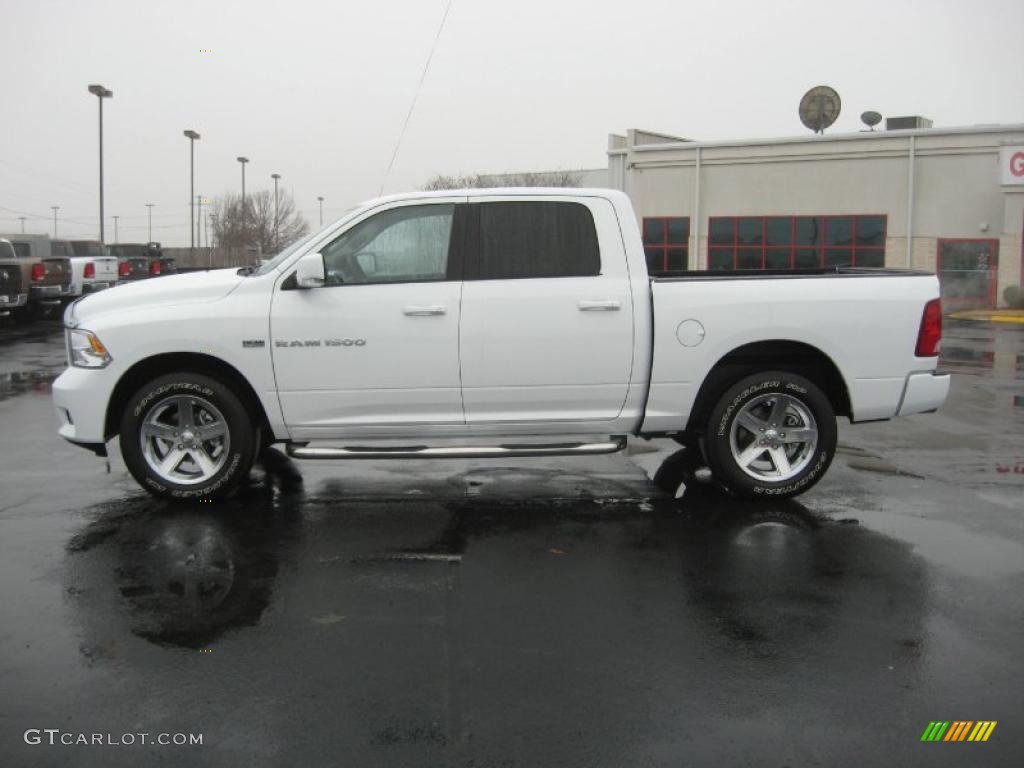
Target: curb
990, 315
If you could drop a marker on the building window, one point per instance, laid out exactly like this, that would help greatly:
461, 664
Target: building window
667, 243
796, 242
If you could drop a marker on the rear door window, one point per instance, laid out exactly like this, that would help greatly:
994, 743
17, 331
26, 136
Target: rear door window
529, 239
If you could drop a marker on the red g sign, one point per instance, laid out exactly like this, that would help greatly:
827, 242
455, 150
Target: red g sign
1017, 164
1011, 163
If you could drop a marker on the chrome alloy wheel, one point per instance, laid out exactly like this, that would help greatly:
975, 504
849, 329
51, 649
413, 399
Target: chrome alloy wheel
185, 439
773, 437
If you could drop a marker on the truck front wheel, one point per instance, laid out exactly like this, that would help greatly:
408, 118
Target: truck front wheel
187, 436
771, 435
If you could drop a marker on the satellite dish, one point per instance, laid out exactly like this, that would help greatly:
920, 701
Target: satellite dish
819, 108
870, 119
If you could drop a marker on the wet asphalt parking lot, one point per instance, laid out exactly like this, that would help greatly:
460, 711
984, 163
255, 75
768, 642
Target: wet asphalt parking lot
539, 612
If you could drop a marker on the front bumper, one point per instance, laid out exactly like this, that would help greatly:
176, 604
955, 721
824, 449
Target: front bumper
80, 396
924, 392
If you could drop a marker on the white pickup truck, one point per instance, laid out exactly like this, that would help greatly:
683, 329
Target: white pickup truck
492, 323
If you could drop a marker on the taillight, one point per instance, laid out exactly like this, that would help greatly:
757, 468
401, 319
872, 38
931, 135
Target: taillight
124, 269
90, 270
930, 334
154, 267
38, 272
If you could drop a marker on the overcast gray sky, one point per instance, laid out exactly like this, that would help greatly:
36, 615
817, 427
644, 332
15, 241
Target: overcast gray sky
318, 91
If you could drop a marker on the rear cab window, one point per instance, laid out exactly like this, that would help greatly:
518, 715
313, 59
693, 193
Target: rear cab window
508, 240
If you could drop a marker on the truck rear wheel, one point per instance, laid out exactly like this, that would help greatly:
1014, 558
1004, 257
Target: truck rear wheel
187, 436
772, 434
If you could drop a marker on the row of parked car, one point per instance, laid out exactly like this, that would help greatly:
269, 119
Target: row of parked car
38, 274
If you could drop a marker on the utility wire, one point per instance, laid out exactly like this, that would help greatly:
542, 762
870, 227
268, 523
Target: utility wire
416, 96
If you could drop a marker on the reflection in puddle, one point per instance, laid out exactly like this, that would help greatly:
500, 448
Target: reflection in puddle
182, 574
957, 359
21, 382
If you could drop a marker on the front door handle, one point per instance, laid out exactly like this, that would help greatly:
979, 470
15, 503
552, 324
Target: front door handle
600, 306
424, 311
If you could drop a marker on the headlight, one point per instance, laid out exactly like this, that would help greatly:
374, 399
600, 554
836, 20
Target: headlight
86, 350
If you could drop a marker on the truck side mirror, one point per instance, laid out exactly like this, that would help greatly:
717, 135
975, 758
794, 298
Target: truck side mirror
309, 272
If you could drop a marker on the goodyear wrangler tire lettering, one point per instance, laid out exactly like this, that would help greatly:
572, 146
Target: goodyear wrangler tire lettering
746, 439
237, 446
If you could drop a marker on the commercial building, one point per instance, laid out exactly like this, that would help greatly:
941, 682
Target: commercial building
949, 200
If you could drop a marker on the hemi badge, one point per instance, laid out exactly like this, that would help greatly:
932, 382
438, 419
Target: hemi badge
253, 343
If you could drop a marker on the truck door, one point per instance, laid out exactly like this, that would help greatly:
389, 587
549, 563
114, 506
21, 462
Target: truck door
547, 314
377, 347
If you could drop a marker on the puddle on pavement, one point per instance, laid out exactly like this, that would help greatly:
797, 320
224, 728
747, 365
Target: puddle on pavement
38, 381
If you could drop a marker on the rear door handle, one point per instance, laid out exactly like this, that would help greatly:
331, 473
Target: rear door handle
424, 311
600, 306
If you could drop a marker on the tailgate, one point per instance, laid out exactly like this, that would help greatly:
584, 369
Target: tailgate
106, 268
58, 271
138, 267
10, 279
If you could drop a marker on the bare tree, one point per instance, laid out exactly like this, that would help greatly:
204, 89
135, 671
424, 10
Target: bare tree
488, 181
256, 228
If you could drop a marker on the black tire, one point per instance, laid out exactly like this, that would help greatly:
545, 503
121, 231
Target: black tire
726, 442
206, 396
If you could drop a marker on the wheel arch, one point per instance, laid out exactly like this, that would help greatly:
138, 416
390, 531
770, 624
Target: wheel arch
192, 362
773, 355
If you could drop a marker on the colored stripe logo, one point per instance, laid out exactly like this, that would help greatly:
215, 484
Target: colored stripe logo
958, 730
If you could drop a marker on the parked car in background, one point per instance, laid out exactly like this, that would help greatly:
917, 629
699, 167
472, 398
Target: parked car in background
132, 261
158, 263
93, 269
48, 276
138, 261
13, 284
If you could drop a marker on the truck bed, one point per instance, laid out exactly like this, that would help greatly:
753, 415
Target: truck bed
755, 274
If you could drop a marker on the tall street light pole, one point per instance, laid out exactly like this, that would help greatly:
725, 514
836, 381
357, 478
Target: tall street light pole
115, 228
243, 161
192, 136
321, 201
276, 177
22, 220
150, 207
199, 220
101, 93
55, 208
213, 243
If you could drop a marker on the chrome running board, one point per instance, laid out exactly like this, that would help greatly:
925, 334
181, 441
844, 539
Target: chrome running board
303, 451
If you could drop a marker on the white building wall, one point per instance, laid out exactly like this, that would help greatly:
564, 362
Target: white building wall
956, 187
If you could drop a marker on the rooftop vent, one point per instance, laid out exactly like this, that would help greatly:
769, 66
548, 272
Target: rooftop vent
907, 123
